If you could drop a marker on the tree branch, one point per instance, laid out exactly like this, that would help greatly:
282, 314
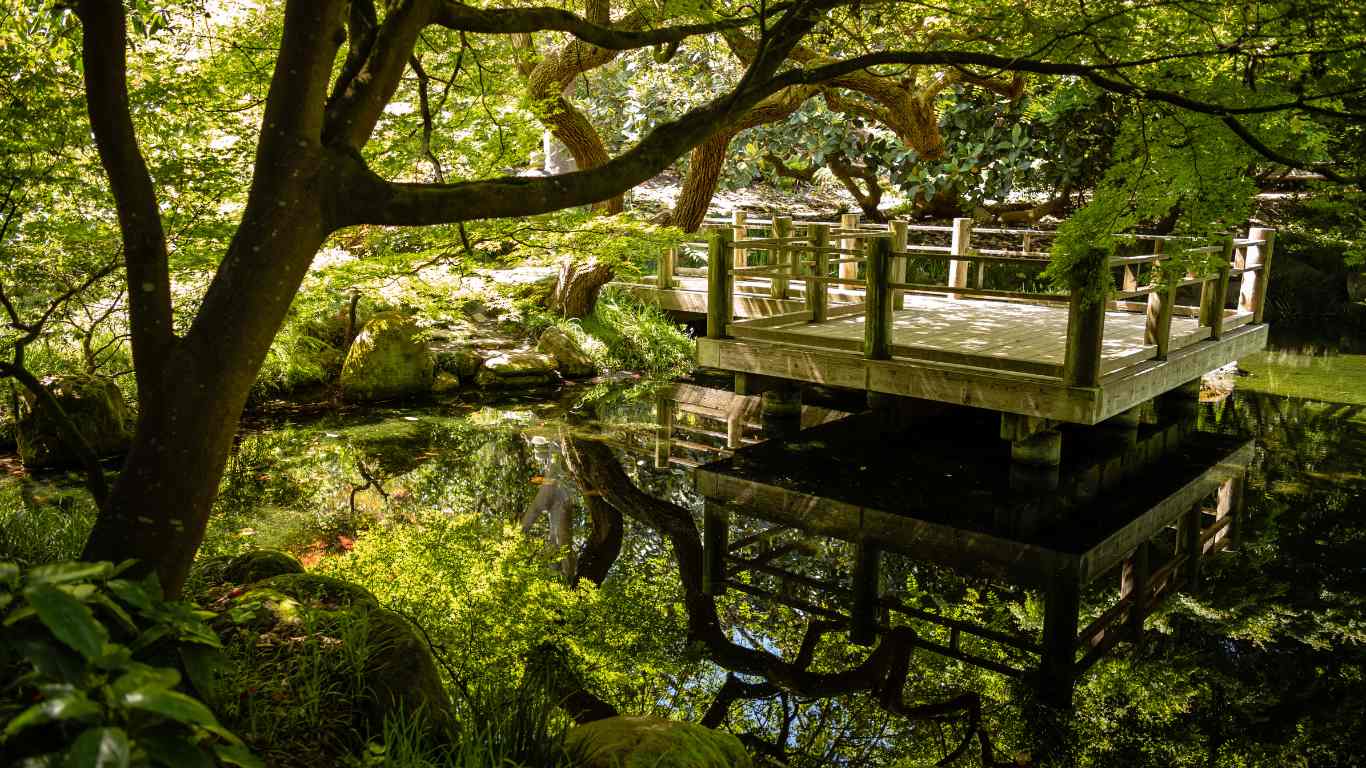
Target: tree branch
104, 57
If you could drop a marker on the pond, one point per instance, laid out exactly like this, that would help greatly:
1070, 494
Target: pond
579, 522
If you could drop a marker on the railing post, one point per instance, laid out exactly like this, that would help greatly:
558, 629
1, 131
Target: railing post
1252, 293
1159, 325
715, 544
819, 237
1134, 585
900, 264
664, 276
664, 427
1214, 292
1086, 326
738, 219
849, 269
863, 615
780, 257
877, 297
960, 246
720, 294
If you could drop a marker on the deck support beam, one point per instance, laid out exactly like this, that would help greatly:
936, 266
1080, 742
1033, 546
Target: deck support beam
867, 584
1133, 584
715, 544
1034, 442
1058, 664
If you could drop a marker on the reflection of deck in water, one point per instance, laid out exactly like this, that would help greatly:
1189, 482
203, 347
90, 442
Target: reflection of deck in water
1111, 508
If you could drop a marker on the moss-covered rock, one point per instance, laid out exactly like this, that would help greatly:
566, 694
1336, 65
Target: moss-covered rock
94, 405
388, 359
652, 742
259, 564
570, 359
517, 369
316, 667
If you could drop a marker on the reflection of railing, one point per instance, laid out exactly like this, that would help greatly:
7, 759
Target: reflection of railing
870, 267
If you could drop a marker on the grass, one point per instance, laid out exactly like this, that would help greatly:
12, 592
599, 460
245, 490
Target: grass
626, 334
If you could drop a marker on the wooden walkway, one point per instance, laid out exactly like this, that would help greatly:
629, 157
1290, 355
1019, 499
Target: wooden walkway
893, 309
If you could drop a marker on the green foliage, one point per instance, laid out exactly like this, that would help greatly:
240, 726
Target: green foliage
635, 336
88, 665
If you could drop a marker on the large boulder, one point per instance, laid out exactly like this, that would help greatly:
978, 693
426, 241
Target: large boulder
92, 403
653, 742
570, 359
375, 664
517, 369
260, 564
389, 359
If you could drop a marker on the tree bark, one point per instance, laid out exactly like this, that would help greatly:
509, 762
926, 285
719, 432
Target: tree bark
576, 291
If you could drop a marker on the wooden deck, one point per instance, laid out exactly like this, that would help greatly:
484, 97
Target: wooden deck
856, 314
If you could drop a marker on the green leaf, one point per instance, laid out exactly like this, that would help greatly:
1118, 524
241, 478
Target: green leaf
238, 755
170, 705
61, 573
51, 660
130, 593
68, 706
69, 620
99, 748
174, 750
8, 571
145, 678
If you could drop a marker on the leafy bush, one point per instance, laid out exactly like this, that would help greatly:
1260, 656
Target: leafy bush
637, 336
88, 666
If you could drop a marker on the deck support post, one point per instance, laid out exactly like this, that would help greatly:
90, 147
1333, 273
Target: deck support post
1086, 325
867, 584
664, 274
1034, 442
849, 269
877, 322
1058, 662
750, 384
780, 411
1188, 543
740, 232
1133, 584
1214, 293
780, 258
715, 543
901, 265
817, 293
664, 428
720, 277
1252, 291
1230, 504
1143, 413
961, 245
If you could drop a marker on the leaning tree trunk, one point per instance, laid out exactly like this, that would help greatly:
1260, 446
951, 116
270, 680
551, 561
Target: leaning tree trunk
576, 291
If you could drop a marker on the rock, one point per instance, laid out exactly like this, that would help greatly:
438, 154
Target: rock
401, 675
653, 742
388, 359
517, 369
374, 661
570, 359
94, 404
461, 360
445, 382
259, 564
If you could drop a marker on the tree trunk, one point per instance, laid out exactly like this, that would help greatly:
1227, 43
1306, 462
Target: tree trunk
704, 173
576, 292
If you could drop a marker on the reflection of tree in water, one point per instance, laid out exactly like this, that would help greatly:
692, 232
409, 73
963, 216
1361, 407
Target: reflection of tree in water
882, 673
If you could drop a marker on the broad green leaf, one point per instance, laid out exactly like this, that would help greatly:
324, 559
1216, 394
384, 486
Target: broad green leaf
170, 705
99, 748
51, 660
238, 755
66, 707
145, 678
131, 593
69, 620
174, 750
8, 571
61, 573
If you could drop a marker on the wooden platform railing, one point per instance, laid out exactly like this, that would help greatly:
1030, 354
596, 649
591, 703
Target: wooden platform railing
875, 259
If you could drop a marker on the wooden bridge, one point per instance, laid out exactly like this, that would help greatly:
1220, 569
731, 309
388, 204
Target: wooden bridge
919, 312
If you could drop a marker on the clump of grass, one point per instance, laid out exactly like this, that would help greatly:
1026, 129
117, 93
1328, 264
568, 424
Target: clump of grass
41, 523
625, 333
